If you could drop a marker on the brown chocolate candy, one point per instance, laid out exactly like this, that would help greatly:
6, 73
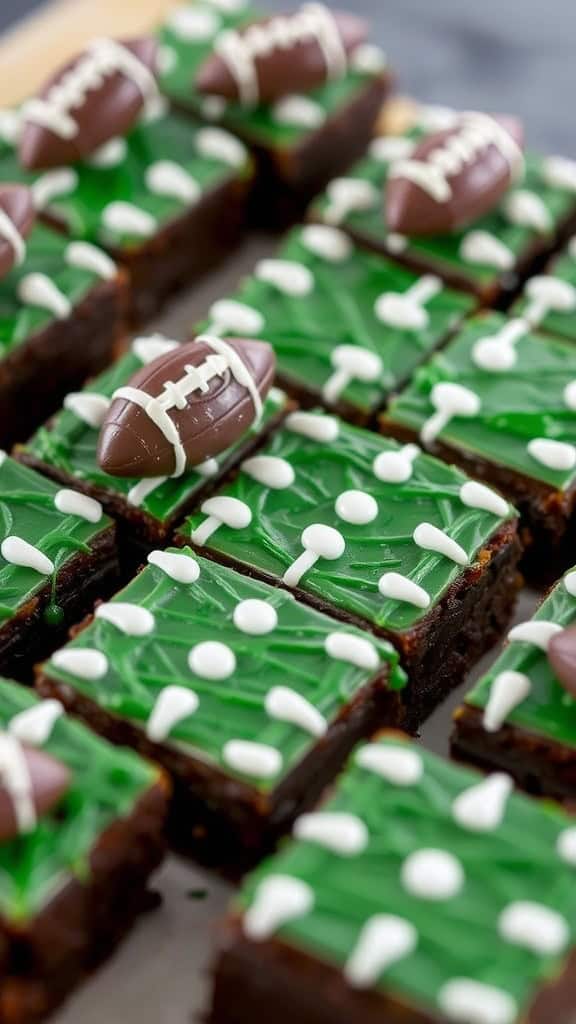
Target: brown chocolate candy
292, 53
562, 658
185, 407
32, 783
18, 215
93, 98
454, 176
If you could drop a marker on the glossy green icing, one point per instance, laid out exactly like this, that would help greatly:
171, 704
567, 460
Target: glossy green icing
67, 444
45, 254
81, 208
27, 511
557, 321
548, 710
106, 783
292, 655
340, 310
456, 937
259, 125
518, 405
442, 253
323, 471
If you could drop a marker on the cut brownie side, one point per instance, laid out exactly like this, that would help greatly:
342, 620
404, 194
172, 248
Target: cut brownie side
249, 699
499, 401
374, 534
519, 717
146, 509
347, 327
61, 320
548, 301
492, 255
75, 870
419, 892
57, 556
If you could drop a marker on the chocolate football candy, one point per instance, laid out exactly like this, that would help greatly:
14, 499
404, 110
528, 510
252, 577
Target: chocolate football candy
185, 407
93, 98
17, 216
562, 658
32, 783
454, 176
289, 53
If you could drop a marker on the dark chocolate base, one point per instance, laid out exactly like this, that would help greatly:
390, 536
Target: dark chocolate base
80, 928
219, 821
37, 374
34, 632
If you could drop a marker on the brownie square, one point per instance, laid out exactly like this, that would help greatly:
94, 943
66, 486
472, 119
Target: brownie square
418, 893
167, 201
146, 510
301, 140
348, 327
75, 879
374, 534
519, 717
499, 401
61, 315
249, 699
57, 555
493, 254
549, 300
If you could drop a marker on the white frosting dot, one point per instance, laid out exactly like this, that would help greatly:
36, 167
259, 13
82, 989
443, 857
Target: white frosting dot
566, 846
475, 495
173, 705
398, 587
481, 808
570, 582
431, 538
278, 899
383, 941
233, 316
35, 725
193, 23
314, 426
110, 154
130, 619
72, 503
432, 875
536, 631
287, 276
149, 348
255, 617
122, 218
527, 209
473, 1002
326, 242
341, 833
535, 927
270, 471
570, 396
357, 650
90, 408
560, 172
299, 110
212, 659
180, 567
396, 467
356, 507
218, 144
19, 552
555, 455
256, 759
485, 249
401, 765
167, 178
82, 662
507, 692
286, 705
92, 259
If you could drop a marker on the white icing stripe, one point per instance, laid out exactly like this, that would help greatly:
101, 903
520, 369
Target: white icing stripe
212, 659
172, 706
430, 538
464, 999
221, 510
270, 471
556, 455
507, 692
278, 899
19, 552
405, 310
143, 489
104, 58
286, 276
449, 400
52, 185
285, 705
396, 467
178, 566
356, 507
82, 662
399, 588
432, 874
351, 362
537, 632
89, 257
237, 368
90, 408
401, 765
39, 291
313, 425
475, 495
319, 541
341, 833
75, 504
130, 619
218, 144
255, 617
34, 726
535, 927
356, 650
256, 759
482, 807
9, 232
15, 779
167, 178
384, 940
156, 411
122, 218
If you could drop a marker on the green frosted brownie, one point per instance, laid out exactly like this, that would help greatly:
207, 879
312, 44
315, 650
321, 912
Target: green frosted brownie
419, 892
57, 554
549, 300
80, 833
147, 509
375, 534
489, 255
250, 699
348, 327
519, 717
500, 401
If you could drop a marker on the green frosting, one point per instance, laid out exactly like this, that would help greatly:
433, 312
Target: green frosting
68, 444
305, 330
548, 710
518, 405
47, 254
90, 187
444, 253
323, 471
231, 706
182, 58
106, 783
28, 512
457, 937
557, 321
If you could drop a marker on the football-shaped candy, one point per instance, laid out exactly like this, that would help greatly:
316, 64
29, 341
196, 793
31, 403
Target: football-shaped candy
290, 53
454, 176
32, 783
562, 658
16, 219
185, 407
92, 99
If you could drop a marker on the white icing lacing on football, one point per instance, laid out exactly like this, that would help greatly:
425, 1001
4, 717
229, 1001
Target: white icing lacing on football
497, 353
16, 781
384, 940
318, 541
38, 290
449, 400
221, 510
35, 725
476, 132
240, 51
104, 58
9, 232
405, 310
90, 408
507, 692
548, 294
17, 551
351, 363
